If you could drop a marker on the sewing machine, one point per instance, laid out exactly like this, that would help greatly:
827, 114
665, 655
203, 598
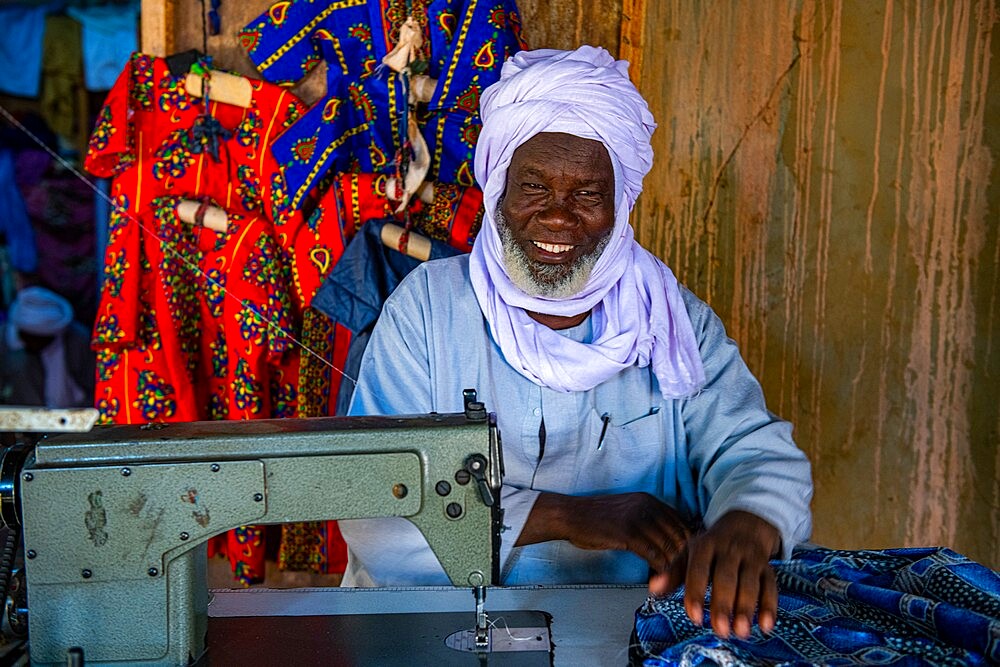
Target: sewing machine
115, 519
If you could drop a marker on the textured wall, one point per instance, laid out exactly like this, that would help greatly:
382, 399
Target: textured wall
825, 178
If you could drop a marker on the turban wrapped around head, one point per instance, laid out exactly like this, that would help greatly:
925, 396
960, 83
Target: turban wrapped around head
40, 311
638, 314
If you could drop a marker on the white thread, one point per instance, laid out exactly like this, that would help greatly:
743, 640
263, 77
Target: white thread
271, 325
494, 622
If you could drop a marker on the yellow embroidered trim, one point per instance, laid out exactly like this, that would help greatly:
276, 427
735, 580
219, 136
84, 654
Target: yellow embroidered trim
320, 163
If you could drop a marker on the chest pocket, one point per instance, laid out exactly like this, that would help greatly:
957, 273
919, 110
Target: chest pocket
623, 455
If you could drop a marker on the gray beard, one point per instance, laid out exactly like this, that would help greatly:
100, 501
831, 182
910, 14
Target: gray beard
551, 281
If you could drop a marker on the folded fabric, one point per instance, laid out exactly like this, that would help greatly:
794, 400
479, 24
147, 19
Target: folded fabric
927, 606
21, 49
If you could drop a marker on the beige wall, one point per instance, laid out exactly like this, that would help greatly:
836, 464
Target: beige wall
825, 178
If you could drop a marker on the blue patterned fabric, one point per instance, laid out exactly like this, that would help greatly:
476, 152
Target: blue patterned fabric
928, 606
358, 126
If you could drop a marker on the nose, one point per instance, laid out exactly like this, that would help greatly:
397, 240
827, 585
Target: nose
558, 213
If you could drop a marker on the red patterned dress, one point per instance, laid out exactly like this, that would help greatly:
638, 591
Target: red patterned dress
195, 324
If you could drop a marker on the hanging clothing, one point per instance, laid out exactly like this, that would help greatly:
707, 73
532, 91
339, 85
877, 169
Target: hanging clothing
60, 207
358, 126
450, 221
154, 285
172, 345
21, 49
15, 228
62, 76
316, 248
110, 35
454, 216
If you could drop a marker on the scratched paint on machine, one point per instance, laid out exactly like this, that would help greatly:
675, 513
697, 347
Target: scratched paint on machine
117, 522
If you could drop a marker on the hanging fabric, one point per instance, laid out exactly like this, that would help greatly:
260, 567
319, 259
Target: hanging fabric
194, 323
354, 128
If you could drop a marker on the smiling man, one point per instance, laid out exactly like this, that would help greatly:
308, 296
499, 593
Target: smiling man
637, 445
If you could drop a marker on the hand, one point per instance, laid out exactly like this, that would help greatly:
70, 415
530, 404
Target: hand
635, 522
734, 555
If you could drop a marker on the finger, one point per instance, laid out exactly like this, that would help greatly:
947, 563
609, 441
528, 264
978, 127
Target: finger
768, 612
699, 566
659, 583
677, 570
664, 583
725, 579
649, 549
747, 592
674, 533
656, 548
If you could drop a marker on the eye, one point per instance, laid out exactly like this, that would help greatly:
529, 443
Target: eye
590, 197
533, 187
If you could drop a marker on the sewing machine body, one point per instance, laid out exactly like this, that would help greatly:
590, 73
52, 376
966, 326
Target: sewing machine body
115, 520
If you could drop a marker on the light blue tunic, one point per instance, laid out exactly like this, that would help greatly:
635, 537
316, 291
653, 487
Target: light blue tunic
718, 451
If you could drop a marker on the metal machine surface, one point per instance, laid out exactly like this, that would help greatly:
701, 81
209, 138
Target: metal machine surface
115, 520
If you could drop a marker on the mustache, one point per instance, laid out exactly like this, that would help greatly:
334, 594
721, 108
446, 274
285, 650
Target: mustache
551, 281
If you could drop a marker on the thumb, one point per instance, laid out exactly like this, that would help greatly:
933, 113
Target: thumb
664, 583
659, 583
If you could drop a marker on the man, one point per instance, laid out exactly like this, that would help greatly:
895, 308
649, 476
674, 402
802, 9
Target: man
45, 357
637, 445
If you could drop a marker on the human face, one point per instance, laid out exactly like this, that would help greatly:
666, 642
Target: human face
557, 213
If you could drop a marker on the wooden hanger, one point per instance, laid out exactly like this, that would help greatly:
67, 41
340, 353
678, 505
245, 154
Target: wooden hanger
196, 212
408, 242
222, 87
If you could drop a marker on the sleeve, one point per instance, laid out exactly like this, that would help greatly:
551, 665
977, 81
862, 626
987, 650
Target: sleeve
15, 226
280, 41
110, 146
743, 457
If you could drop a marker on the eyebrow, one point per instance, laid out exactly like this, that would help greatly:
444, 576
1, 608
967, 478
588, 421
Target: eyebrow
534, 172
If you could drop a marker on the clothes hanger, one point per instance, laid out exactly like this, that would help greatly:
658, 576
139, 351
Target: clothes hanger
202, 213
406, 241
222, 86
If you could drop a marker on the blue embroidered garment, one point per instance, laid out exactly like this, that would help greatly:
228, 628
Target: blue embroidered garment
897, 607
358, 126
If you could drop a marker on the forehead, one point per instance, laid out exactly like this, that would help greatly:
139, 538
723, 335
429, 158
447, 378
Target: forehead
549, 152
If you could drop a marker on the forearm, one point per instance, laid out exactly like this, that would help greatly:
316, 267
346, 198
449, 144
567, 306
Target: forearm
636, 522
548, 519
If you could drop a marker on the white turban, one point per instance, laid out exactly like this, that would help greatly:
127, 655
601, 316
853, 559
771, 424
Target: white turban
638, 313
